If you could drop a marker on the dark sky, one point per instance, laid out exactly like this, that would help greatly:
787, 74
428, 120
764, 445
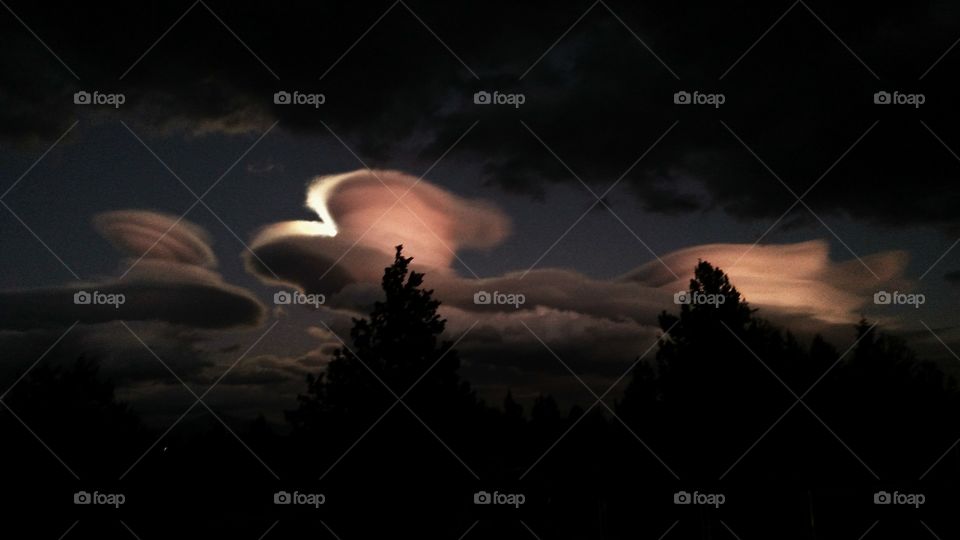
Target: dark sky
598, 80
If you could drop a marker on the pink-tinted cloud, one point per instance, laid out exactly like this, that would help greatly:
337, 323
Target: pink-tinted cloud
598, 324
798, 279
154, 235
360, 222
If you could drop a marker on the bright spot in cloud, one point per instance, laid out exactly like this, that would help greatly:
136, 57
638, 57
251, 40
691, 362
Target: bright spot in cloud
361, 220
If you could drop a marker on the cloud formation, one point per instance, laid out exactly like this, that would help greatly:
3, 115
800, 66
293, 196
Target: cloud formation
795, 279
360, 223
168, 277
800, 98
151, 235
596, 325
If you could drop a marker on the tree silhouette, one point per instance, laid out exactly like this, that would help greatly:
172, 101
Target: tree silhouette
714, 396
397, 346
711, 382
72, 403
722, 377
893, 405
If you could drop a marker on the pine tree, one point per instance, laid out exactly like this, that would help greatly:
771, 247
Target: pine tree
398, 347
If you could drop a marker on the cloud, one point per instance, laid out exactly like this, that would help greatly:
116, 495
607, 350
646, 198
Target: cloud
504, 350
799, 108
153, 235
361, 222
798, 279
159, 291
596, 326
173, 283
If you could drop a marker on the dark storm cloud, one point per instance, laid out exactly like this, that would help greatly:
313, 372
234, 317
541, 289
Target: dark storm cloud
599, 98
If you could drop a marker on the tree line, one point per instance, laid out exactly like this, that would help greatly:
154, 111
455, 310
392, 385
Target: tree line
797, 437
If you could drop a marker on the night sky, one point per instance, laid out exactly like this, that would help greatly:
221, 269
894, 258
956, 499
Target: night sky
501, 197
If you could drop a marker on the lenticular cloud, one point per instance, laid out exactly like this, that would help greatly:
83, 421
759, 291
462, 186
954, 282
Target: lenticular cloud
359, 221
795, 278
152, 235
168, 275
361, 217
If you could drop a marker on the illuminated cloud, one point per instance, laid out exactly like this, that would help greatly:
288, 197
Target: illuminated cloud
597, 326
359, 224
160, 236
797, 279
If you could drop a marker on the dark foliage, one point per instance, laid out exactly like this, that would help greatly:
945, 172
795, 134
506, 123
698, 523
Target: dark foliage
797, 437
